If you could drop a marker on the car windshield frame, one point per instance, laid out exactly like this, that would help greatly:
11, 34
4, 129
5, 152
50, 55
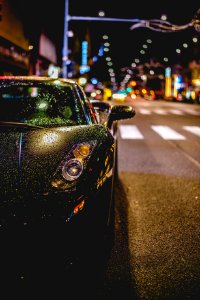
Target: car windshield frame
41, 103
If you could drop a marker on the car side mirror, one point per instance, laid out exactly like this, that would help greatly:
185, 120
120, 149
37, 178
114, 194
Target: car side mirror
100, 105
102, 110
120, 112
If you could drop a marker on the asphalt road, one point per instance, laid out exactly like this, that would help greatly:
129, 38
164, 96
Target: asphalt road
156, 254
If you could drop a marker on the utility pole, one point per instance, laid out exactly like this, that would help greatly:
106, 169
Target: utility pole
65, 41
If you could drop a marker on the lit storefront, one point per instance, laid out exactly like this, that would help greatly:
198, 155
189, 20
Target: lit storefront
13, 59
46, 64
14, 47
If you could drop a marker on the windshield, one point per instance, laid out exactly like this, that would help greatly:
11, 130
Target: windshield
40, 105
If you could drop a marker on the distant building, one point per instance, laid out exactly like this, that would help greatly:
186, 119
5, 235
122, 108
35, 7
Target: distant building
17, 56
14, 46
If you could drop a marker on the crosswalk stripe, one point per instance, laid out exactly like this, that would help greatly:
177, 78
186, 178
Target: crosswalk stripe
176, 112
130, 132
144, 111
160, 112
167, 133
191, 111
173, 111
193, 129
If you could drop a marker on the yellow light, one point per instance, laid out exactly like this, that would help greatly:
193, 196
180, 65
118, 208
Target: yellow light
108, 92
144, 91
82, 80
84, 149
60, 184
193, 95
133, 83
175, 91
196, 82
152, 92
168, 83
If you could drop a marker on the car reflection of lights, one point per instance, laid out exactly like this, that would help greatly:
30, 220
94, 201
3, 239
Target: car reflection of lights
57, 82
76, 210
64, 129
44, 142
50, 138
42, 105
79, 207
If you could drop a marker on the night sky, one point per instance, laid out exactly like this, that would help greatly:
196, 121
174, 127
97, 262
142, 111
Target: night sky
125, 44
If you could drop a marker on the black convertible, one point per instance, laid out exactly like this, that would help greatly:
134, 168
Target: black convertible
57, 165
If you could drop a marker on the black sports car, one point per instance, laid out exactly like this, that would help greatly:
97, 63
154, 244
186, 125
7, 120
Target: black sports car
57, 165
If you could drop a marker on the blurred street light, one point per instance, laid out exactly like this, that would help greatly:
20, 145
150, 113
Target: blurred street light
101, 13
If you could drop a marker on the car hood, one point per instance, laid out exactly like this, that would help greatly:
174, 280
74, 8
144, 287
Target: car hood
30, 157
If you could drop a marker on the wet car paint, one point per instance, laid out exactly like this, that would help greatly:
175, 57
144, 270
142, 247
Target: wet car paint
35, 199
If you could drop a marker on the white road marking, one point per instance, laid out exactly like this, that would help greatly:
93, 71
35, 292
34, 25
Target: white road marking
173, 111
191, 111
160, 111
193, 129
176, 112
130, 132
167, 133
144, 111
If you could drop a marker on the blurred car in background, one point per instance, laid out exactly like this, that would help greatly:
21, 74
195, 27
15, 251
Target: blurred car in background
119, 96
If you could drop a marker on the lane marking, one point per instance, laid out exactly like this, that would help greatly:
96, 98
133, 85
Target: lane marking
176, 112
173, 111
193, 129
144, 111
167, 133
191, 111
130, 132
160, 111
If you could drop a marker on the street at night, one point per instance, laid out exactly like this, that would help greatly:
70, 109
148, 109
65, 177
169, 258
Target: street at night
157, 246
100, 150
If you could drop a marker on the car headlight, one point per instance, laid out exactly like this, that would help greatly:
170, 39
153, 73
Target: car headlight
72, 166
72, 169
82, 151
